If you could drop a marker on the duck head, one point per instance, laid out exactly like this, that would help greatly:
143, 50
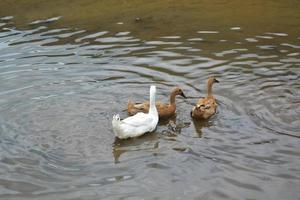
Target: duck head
178, 91
201, 111
198, 111
152, 89
152, 93
210, 82
152, 108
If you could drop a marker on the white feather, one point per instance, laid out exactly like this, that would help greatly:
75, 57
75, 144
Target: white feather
138, 124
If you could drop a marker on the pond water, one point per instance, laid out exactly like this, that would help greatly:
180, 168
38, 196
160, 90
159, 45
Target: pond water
67, 66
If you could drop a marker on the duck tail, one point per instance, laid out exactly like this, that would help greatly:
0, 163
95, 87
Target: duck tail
116, 123
130, 108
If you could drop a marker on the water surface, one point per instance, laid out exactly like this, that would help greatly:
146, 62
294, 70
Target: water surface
67, 66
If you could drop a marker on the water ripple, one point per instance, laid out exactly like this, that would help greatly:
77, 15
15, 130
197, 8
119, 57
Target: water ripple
61, 85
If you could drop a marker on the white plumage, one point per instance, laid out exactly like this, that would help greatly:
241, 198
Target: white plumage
138, 124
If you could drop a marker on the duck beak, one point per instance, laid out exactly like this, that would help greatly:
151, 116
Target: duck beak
216, 81
183, 95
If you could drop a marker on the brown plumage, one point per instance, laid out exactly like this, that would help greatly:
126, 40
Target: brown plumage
164, 110
206, 107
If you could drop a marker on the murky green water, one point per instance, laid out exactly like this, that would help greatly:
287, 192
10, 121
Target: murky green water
67, 66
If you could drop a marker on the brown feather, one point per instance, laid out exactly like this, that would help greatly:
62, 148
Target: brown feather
164, 110
206, 107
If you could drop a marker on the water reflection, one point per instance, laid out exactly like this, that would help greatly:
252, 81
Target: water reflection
200, 124
147, 142
173, 128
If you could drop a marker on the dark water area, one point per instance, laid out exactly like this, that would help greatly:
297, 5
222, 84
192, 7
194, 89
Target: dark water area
67, 66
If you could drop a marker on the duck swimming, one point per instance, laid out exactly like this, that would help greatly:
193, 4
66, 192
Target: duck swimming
164, 110
206, 107
138, 124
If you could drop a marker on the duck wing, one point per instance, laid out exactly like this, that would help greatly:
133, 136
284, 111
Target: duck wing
142, 106
140, 119
160, 105
201, 101
133, 108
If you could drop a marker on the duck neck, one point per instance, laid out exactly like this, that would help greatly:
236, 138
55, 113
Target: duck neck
209, 88
172, 98
152, 109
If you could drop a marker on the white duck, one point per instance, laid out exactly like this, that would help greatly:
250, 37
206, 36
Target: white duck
138, 124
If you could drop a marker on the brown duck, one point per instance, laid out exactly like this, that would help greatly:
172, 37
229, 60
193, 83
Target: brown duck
164, 110
206, 107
